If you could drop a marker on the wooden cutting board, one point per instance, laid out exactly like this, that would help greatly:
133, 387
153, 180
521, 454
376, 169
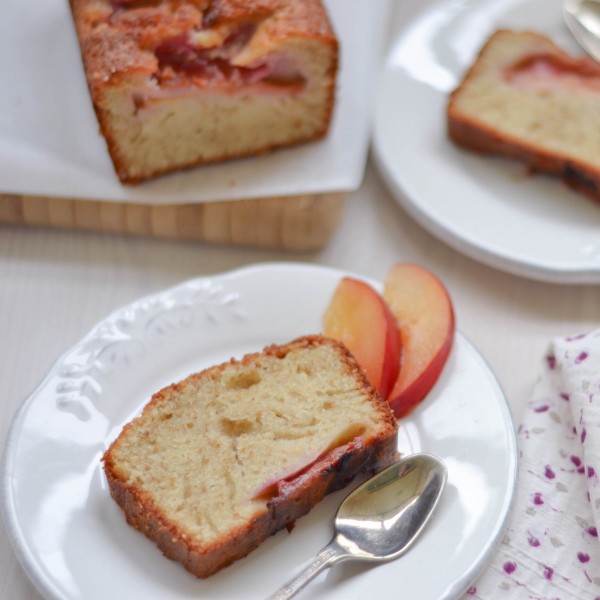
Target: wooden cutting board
296, 223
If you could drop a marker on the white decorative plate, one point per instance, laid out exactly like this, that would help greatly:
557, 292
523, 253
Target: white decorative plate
71, 537
487, 208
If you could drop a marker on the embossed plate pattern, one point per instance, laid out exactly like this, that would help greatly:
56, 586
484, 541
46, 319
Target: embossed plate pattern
71, 537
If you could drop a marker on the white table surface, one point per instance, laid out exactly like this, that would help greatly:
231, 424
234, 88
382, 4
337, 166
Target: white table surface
55, 285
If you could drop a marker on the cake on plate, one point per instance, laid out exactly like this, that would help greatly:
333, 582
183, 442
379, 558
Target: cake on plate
179, 83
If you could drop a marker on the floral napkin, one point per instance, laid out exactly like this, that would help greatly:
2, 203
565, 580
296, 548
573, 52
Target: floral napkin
551, 548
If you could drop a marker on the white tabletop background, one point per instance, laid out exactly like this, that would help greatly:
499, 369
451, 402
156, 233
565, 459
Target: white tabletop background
56, 285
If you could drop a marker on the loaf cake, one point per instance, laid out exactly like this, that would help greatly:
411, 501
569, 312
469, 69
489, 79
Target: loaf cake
178, 83
527, 99
217, 463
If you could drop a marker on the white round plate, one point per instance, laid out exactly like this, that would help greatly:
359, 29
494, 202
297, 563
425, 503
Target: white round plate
490, 209
71, 537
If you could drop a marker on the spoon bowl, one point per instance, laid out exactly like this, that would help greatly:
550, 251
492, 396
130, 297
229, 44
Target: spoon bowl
380, 519
583, 20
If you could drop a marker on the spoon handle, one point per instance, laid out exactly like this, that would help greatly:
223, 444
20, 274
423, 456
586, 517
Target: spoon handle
328, 556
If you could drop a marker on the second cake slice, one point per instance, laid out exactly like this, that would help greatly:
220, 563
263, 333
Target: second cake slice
526, 98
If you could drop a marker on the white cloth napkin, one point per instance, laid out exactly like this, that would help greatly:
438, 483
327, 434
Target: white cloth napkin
551, 548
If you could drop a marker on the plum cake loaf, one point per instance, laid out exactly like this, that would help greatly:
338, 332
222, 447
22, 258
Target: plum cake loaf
218, 462
178, 83
525, 98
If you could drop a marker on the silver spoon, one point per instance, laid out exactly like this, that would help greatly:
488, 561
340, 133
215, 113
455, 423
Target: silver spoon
583, 19
380, 519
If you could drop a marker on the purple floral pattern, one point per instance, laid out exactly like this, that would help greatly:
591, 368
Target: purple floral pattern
551, 549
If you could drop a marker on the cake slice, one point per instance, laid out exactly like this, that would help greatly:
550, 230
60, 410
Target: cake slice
525, 98
178, 83
217, 463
